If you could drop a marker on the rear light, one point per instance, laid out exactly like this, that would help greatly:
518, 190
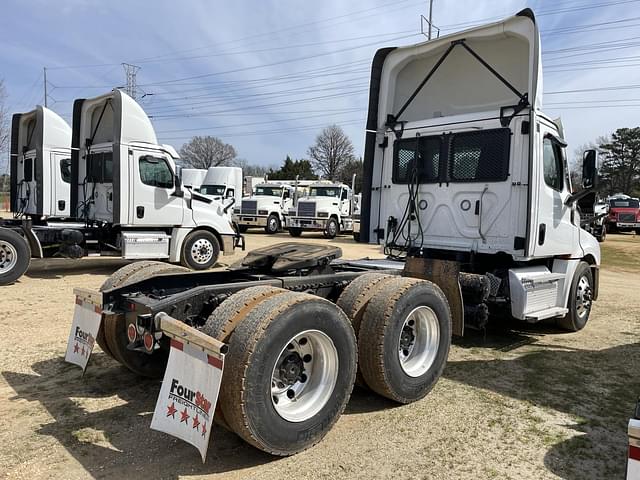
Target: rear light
132, 333
148, 341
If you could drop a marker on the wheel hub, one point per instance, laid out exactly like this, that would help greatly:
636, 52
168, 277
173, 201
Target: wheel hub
304, 376
407, 337
8, 257
418, 341
584, 297
202, 251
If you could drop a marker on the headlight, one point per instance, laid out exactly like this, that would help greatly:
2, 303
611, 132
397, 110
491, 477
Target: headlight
236, 210
323, 214
292, 212
263, 212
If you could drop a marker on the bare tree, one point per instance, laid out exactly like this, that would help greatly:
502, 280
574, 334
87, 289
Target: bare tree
332, 150
205, 152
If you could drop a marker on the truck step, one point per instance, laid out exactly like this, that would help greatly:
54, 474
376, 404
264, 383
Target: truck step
548, 313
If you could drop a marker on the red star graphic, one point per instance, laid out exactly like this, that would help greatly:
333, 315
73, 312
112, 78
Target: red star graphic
171, 410
76, 348
82, 352
196, 422
184, 416
204, 429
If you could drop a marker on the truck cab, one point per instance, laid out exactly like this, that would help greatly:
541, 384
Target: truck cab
124, 180
40, 164
464, 170
327, 207
624, 214
265, 208
223, 183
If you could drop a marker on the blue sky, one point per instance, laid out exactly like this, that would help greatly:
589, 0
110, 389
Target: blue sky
267, 75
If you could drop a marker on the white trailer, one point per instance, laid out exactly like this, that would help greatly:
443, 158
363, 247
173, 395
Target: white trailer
223, 182
126, 198
328, 207
469, 193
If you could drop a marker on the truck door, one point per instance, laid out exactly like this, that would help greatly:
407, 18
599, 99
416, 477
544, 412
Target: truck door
553, 231
60, 190
345, 204
153, 185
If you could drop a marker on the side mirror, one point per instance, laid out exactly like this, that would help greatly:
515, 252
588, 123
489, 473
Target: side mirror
590, 169
230, 193
178, 182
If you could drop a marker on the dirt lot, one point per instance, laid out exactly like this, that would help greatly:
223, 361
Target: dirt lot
519, 402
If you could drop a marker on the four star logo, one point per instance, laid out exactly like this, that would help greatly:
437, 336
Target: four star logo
171, 410
196, 422
184, 416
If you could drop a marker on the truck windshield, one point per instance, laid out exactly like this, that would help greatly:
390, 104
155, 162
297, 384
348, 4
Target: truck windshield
212, 190
324, 192
626, 203
269, 191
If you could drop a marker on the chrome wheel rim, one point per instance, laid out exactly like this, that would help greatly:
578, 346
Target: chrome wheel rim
273, 224
418, 342
332, 228
583, 297
304, 376
202, 251
8, 257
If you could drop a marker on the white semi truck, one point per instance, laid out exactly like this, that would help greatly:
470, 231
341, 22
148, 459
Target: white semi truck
465, 184
223, 182
328, 208
193, 178
126, 197
266, 207
40, 164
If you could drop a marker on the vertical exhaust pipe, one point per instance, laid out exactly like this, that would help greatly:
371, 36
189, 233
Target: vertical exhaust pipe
353, 195
295, 192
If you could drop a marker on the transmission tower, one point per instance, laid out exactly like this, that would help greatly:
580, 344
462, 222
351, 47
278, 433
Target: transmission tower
130, 72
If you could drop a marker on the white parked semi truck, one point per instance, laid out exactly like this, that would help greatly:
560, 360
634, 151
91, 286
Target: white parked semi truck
266, 207
223, 182
40, 164
126, 198
327, 207
465, 183
193, 178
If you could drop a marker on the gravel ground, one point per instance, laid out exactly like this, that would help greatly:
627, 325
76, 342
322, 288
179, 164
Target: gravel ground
521, 402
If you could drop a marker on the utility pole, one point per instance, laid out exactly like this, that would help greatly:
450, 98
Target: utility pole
44, 70
430, 17
130, 72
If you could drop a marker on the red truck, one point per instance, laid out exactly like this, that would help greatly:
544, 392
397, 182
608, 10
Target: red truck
624, 214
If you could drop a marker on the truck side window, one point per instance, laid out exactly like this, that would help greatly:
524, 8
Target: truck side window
28, 169
285, 195
155, 172
344, 195
552, 164
100, 167
65, 170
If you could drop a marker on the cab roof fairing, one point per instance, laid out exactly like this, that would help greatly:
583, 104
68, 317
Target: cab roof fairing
461, 84
51, 131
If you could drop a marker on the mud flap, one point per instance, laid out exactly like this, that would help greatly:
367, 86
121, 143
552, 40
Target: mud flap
443, 273
84, 329
189, 391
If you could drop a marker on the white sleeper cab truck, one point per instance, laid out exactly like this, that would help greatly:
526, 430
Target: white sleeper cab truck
465, 174
265, 208
126, 199
326, 208
193, 177
40, 175
465, 185
40, 164
223, 183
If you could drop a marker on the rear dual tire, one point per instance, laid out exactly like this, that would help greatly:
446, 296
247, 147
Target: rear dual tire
15, 256
290, 368
112, 335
